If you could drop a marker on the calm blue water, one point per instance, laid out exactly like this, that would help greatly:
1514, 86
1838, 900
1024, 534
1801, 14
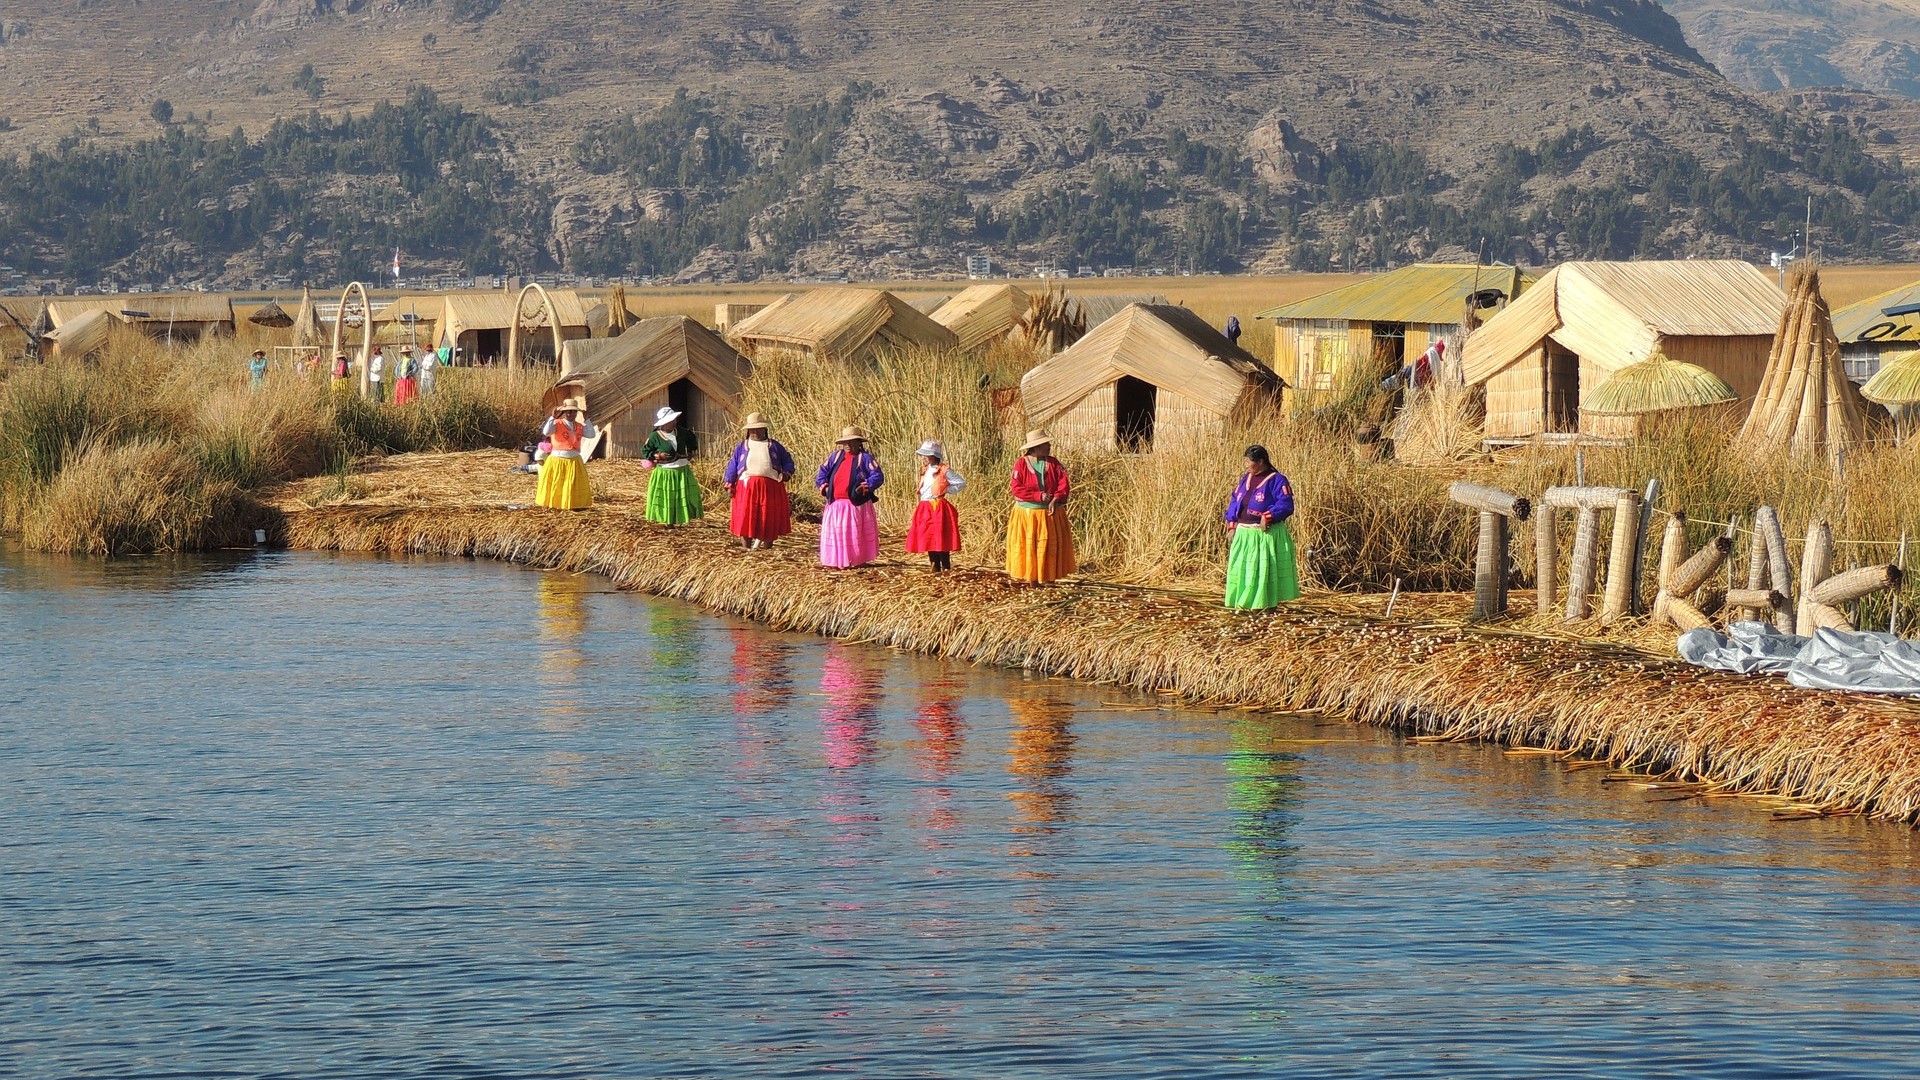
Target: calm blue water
311, 816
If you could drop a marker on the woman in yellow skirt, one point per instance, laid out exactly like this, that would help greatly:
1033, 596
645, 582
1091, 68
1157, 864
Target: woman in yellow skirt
563, 476
1039, 537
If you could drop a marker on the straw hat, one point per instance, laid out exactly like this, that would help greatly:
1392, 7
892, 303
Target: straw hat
932, 448
851, 433
259, 352
1036, 437
665, 416
755, 422
572, 404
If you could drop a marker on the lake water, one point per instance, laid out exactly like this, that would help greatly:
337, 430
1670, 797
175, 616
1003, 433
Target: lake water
303, 815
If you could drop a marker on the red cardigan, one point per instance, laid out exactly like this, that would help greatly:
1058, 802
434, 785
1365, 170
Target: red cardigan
1026, 486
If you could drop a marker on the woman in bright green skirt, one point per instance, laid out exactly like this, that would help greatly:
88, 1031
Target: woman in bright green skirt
1261, 573
673, 495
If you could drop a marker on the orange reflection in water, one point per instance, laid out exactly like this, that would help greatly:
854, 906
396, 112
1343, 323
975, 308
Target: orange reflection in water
1041, 755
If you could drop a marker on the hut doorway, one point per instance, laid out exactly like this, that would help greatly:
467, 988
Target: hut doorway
488, 345
1389, 350
1135, 402
1562, 390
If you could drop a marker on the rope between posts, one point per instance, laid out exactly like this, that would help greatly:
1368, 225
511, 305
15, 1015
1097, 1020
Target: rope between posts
1792, 541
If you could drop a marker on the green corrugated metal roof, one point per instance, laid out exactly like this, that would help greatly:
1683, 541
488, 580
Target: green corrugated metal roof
1855, 320
1421, 293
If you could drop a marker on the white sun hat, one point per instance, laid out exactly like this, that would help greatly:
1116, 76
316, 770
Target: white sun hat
665, 416
932, 448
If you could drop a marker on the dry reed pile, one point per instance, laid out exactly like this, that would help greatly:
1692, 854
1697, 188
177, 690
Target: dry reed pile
1715, 735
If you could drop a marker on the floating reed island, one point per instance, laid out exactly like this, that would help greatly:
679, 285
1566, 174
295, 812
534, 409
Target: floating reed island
1656, 721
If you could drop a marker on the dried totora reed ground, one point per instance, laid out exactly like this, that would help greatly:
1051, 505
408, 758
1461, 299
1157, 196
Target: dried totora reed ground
1707, 735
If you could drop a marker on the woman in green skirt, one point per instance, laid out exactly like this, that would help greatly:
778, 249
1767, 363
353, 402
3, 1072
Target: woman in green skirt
673, 495
1260, 567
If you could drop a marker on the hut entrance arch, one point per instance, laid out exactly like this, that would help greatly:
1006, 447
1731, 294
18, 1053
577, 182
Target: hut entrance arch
354, 305
1562, 389
527, 325
1135, 403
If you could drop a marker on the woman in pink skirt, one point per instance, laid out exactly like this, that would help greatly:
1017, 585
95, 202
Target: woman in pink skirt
849, 528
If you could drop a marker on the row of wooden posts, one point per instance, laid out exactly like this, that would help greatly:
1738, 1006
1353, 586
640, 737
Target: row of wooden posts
1683, 599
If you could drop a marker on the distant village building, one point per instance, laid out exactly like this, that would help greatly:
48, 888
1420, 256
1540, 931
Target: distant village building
1877, 329
1370, 329
479, 324
1583, 321
1151, 377
665, 361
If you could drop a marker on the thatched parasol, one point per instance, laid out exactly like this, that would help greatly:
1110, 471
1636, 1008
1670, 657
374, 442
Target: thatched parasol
1898, 382
272, 315
1806, 405
1658, 384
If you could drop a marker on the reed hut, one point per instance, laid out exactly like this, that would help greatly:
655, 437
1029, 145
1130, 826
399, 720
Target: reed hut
1541, 356
479, 324
409, 320
983, 314
81, 334
181, 317
1152, 377
664, 361
17, 316
1874, 331
1806, 405
725, 316
932, 302
846, 325
1097, 308
1370, 329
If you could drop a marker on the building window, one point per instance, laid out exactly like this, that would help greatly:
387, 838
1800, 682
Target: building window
1860, 362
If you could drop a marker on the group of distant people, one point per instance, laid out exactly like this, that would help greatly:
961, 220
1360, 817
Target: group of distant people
1261, 565
413, 374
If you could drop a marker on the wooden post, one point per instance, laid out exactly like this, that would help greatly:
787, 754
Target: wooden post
1546, 559
1640, 540
1620, 573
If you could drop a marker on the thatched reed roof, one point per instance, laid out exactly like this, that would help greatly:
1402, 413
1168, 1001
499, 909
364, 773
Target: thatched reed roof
82, 333
927, 305
615, 372
461, 312
1615, 314
1161, 344
844, 324
1806, 406
272, 315
157, 308
1897, 382
983, 313
1099, 307
1657, 385
1421, 293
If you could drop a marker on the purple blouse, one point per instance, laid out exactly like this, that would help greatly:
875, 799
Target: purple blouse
737, 465
1269, 495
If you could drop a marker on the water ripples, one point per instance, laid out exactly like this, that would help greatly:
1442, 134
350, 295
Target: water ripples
311, 816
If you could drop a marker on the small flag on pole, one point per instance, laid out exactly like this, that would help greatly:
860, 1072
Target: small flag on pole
396, 264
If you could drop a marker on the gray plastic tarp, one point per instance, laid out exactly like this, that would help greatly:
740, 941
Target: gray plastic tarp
1829, 660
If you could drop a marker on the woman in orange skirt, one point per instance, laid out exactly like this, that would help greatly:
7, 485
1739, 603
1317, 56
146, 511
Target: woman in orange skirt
1039, 536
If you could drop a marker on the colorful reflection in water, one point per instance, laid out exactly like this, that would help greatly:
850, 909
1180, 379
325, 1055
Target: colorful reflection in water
546, 829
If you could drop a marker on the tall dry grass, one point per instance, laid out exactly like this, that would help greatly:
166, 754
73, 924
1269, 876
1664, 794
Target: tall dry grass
154, 447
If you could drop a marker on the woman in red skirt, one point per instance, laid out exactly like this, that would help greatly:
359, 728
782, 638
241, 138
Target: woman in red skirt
936, 524
757, 476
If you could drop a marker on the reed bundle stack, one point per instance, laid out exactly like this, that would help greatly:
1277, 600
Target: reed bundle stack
1053, 321
306, 321
1448, 681
1806, 406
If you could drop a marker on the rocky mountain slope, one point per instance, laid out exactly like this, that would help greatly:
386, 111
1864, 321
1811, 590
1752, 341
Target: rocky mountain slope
1871, 45
1238, 133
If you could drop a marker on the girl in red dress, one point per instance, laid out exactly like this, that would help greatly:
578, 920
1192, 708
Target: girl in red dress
936, 524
